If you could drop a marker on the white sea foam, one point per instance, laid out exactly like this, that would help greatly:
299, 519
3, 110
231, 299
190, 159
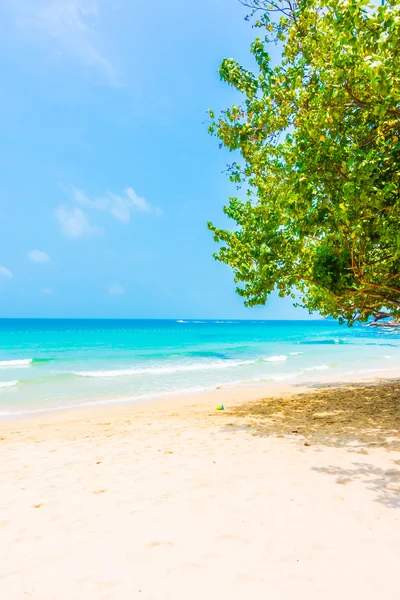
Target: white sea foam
6, 364
6, 384
278, 377
286, 376
279, 358
296, 353
223, 364
317, 368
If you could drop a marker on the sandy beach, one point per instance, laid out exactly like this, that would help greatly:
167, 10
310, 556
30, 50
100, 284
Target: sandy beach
284, 497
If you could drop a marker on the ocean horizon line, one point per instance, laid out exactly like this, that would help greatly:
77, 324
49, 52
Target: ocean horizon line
179, 320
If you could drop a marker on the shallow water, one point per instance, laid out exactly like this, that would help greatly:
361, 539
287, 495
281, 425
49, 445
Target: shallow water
50, 364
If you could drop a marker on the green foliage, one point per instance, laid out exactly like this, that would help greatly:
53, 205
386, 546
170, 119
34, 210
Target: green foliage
319, 136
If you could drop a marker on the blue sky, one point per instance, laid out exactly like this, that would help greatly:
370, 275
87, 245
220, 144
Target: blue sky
108, 173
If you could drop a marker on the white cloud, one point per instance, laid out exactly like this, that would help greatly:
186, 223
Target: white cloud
115, 289
4, 272
38, 256
82, 198
47, 292
122, 206
74, 222
119, 206
140, 203
71, 27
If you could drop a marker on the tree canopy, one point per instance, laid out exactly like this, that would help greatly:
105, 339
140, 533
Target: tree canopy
318, 134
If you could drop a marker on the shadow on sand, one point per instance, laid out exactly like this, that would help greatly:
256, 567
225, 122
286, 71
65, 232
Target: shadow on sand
351, 415
384, 483
356, 417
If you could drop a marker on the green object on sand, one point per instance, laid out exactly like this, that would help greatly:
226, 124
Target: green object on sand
220, 407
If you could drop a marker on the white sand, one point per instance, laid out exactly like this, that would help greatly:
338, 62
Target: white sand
121, 503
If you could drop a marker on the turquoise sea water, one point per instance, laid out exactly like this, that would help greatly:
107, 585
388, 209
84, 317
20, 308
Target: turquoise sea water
54, 364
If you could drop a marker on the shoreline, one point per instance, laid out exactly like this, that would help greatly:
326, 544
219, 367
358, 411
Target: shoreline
205, 400
278, 409
223, 394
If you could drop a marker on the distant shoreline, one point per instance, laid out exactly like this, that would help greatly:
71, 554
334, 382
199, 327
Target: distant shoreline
394, 323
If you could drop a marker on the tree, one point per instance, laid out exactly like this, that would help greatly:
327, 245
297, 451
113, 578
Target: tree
319, 136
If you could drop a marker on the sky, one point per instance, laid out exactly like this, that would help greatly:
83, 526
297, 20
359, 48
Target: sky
108, 173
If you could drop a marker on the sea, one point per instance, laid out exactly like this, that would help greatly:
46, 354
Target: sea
55, 364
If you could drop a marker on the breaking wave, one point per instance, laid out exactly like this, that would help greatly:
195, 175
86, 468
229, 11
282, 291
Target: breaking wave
24, 362
6, 384
223, 364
